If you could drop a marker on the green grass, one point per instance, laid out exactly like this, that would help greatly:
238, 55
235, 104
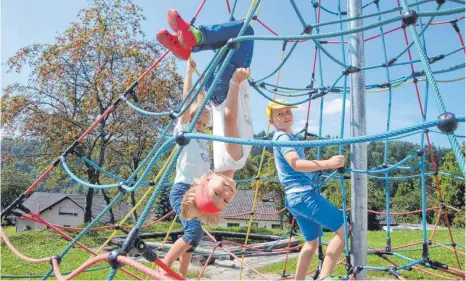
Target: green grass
39, 244
45, 243
377, 240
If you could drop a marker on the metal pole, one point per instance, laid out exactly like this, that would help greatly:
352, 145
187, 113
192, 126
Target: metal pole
358, 151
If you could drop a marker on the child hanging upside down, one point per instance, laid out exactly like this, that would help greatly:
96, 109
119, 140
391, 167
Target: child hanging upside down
302, 199
210, 193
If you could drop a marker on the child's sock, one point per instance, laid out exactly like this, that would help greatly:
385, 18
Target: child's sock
197, 33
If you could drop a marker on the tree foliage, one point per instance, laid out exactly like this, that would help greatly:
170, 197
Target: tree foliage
76, 79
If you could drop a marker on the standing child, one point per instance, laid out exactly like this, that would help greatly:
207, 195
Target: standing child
230, 110
302, 200
193, 162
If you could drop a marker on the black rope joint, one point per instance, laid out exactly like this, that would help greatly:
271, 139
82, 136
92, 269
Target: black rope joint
70, 148
117, 227
56, 162
455, 25
56, 257
251, 213
265, 138
252, 83
307, 29
152, 183
257, 178
436, 173
384, 165
261, 85
429, 242
448, 122
275, 89
254, 17
426, 131
341, 170
173, 114
388, 246
193, 20
17, 202
389, 63
120, 187
425, 252
113, 256
392, 271
436, 264
384, 85
420, 152
344, 13
181, 139
23, 208
436, 58
409, 18
440, 2
284, 45
220, 244
323, 41
418, 73
231, 44
350, 69
442, 206
315, 5
130, 240
376, 1
453, 244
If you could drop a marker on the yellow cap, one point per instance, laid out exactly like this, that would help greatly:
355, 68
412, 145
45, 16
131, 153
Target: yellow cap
274, 105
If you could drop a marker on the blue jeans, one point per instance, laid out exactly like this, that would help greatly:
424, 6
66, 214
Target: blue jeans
216, 36
192, 229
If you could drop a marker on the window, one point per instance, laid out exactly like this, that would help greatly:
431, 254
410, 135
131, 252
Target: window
232, 224
255, 224
67, 211
276, 226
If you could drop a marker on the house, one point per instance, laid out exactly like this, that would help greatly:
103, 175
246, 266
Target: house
64, 210
381, 221
243, 204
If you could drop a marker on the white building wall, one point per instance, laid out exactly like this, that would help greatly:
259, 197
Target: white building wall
244, 223
52, 215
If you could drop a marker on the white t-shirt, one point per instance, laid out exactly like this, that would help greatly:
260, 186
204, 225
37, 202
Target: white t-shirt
223, 161
194, 160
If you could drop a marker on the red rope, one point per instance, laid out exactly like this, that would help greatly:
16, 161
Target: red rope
228, 6
199, 9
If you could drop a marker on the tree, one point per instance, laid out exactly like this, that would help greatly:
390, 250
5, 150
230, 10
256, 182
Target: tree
76, 79
14, 182
453, 189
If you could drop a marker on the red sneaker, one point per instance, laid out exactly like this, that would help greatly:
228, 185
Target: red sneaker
171, 42
181, 27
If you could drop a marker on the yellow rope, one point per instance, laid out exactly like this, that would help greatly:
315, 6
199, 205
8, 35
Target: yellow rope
411, 81
257, 182
130, 213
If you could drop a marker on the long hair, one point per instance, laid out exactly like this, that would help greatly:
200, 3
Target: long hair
189, 209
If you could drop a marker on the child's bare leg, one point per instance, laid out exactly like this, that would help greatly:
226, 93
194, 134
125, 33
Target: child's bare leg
176, 251
305, 257
185, 259
334, 250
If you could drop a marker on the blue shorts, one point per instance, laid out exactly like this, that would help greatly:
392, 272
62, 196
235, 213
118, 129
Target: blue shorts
311, 211
193, 231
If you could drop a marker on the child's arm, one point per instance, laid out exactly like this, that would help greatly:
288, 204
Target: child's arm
188, 84
302, 165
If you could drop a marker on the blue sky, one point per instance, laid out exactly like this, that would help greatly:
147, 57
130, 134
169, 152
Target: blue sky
26, 22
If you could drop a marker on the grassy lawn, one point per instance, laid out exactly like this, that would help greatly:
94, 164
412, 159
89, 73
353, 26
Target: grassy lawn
45, 243
377, 240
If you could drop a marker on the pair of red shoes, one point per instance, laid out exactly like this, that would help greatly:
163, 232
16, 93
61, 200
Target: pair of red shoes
181, 43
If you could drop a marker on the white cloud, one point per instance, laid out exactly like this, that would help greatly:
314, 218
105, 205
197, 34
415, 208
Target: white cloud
335, 106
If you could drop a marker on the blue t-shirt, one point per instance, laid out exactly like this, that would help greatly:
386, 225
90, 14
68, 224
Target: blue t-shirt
288, 177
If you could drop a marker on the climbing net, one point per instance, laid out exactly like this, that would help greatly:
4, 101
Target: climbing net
411, 18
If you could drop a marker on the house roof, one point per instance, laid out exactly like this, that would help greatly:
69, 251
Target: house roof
243, 203
44, 200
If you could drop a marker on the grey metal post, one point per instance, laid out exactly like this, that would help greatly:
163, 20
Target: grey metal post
358, 151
